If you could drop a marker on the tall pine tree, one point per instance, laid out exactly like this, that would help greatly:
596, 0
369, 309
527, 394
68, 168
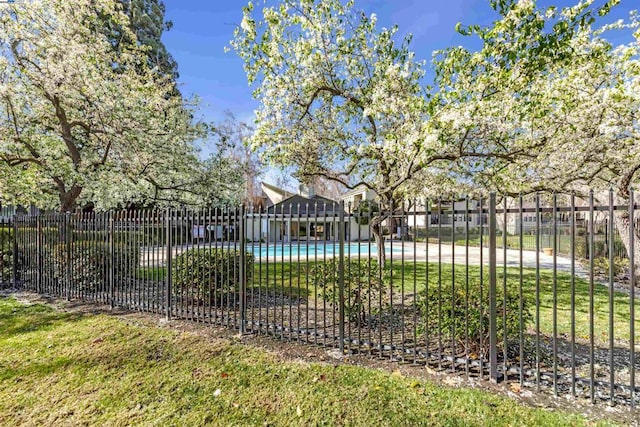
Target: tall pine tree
147, 22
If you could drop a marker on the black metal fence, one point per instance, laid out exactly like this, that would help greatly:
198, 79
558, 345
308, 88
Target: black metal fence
6, 252
466, 295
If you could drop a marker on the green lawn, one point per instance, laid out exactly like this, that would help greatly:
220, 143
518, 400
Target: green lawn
528, 242
287, 274
291, 279
68, 369
621, 313
513, 241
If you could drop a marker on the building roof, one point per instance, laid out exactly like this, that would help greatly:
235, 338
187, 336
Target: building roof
357, 190
312, 206
274, 188
272, 194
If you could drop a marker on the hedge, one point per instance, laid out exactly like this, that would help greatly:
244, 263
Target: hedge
209, 275
362, 287
89, 267
6, 253
453, 312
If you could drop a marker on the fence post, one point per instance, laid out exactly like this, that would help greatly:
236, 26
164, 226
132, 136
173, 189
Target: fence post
168, 271
67, 246
112, 262
39, 260
242, 270
493, 334
14, 251
341, 274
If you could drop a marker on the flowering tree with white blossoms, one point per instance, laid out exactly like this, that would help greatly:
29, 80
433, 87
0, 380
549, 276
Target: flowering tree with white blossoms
83, 122
549, 87
340, 99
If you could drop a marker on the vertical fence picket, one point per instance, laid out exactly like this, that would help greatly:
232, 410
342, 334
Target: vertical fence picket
592, 388
242, 273
467, 348
493, 334
521, 326
308, 329
439, 292
290, 275
39, 256
402, 279
632, 298
67, 247
341, 276
169, 267
572, 219
298, 274
14, 253
481, 301
453, 285
537, 368
504, 337
554, 291
112, 261
415, 279
611, 297
266, 256
251, 273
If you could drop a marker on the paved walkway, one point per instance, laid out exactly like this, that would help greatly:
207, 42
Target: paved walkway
476, 256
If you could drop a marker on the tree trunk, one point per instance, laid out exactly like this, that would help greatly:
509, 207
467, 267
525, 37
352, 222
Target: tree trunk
624, 224
69, 198
376, 228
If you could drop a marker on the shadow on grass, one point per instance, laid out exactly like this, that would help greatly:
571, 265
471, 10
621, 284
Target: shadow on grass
16, 319
37, 369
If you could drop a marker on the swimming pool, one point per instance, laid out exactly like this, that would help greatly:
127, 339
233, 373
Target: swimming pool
313, 250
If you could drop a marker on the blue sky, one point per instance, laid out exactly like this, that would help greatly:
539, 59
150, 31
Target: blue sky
202, 28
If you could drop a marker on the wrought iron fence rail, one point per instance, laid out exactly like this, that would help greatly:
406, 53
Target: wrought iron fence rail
312, 273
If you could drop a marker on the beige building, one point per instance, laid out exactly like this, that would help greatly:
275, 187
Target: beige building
304, 216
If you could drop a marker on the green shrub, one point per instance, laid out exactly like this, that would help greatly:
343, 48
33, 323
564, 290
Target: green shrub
601, 266
209, 275
581, 248
452, 313
366, 210
89, 267
600, 248
361, 286
6, 253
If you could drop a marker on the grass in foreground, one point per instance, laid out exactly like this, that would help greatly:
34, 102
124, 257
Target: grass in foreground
58, 368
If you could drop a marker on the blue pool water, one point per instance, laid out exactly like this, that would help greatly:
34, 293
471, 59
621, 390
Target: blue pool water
312, 250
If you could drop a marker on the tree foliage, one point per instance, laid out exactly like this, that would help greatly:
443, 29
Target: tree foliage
339, 99
83, 122
550, 89
235, 134
146, 19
